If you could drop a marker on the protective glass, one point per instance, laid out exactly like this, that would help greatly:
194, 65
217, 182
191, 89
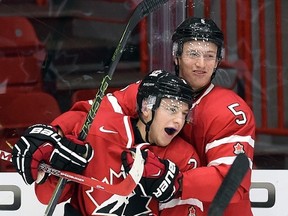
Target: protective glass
174, 107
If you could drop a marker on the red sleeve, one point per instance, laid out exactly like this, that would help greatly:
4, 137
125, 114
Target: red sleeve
44, 191
68, 120
204, 182
126, 98
220, 130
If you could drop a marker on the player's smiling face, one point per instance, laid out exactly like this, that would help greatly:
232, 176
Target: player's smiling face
197, 62
169, 119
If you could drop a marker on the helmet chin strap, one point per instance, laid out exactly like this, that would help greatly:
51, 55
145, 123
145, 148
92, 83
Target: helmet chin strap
213, 74
176, 67
147, 125
199, 92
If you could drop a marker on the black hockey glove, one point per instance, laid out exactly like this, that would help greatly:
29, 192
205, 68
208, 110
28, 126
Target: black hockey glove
71, 154
161, 179
41, 143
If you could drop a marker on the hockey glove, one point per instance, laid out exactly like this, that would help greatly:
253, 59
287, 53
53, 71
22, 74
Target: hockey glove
71, 154
40, 143
161, 178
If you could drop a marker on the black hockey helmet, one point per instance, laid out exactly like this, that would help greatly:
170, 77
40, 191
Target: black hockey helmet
162, 84
195, 28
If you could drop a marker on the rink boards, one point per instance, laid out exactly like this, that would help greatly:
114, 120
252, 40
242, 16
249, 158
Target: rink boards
268, 194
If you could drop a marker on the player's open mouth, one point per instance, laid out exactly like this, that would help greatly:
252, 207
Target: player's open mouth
170, 131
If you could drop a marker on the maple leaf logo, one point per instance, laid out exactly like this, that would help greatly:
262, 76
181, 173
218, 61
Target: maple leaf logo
238, 148
117, 205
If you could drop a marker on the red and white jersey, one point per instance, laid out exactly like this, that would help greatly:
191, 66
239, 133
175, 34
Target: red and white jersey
222, 126
109, 135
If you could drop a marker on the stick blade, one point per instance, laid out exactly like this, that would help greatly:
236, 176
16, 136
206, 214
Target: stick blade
124, 188
229, 185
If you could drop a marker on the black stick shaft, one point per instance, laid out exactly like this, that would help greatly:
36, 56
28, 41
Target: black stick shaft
143, 9
229, 185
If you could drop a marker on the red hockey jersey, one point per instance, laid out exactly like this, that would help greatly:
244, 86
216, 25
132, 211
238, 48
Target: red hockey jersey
222, 126
109, 135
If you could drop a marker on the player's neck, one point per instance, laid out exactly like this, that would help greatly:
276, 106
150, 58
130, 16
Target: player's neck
139, 137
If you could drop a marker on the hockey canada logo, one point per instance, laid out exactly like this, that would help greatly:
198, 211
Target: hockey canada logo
116, 204
238, 148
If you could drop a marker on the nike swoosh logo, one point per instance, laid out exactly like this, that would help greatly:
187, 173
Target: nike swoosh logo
106, 131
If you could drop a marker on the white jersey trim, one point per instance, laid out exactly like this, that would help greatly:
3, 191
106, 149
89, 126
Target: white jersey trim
203, 95
230, 139
227, 161
175, 202
128, 131
114, 103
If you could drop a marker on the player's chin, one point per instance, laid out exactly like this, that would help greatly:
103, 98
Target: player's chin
165, 141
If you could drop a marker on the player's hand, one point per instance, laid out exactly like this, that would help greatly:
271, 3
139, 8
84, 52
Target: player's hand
41, 143
161, 178
71, 154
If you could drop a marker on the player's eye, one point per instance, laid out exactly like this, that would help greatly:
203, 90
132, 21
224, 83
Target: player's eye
173, 109
209, 56
193, 54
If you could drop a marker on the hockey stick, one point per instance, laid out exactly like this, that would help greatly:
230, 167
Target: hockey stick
141, 11
124, 188
229, 185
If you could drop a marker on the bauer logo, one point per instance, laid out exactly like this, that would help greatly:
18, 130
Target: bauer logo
166, 181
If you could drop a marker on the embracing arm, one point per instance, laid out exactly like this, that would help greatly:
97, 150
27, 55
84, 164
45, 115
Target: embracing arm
123, 101
203, 183
219, 135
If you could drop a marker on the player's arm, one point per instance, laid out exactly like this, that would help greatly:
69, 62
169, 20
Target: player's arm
69, 120
122, 101
125, 99
222, 146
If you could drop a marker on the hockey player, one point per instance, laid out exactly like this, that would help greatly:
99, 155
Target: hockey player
221, 124
163, 102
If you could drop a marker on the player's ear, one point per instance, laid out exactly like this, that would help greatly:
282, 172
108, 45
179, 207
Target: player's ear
176, 61
176, 66
145, 110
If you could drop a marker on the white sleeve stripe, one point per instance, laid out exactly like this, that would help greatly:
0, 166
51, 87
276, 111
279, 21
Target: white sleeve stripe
128, 131
230, 139
227, 161
114, 103
177, 202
